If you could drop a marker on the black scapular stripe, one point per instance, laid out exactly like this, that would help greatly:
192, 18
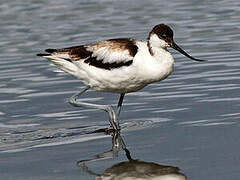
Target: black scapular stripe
108, 66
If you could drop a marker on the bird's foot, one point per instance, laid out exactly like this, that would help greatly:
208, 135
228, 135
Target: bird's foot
113, 118
108, 131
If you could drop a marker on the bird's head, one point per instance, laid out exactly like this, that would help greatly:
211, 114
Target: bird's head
161, 36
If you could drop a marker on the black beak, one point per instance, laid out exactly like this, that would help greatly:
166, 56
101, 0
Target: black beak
176, 47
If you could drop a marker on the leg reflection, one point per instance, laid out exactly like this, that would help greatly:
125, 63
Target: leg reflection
131, 169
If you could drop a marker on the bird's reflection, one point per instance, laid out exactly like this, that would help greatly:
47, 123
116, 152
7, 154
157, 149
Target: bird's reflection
131, 169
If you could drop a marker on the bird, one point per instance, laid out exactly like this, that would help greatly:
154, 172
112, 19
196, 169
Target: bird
120, 65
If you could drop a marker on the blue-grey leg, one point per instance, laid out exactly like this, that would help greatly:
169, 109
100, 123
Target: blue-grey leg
108, 108
120, 105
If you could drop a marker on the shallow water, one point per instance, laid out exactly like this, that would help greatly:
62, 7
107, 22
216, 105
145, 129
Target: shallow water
190, 120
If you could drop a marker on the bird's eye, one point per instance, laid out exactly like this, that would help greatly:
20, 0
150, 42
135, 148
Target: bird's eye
164, 36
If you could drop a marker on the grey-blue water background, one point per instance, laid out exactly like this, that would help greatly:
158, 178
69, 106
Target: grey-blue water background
190, 120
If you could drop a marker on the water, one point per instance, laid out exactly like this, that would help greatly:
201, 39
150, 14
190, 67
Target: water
190, 120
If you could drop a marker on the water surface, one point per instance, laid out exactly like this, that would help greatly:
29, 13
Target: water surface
190, 120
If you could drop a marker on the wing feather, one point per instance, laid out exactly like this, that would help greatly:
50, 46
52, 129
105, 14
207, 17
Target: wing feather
114, 50
109, 54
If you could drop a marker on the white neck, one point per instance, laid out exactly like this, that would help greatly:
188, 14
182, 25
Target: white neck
157, 46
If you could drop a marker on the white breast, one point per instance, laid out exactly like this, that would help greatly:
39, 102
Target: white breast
153, 68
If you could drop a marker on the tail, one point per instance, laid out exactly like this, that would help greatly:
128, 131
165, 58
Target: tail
49, 51
61, 59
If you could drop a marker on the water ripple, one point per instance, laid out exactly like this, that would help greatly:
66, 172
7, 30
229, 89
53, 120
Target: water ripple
32, 94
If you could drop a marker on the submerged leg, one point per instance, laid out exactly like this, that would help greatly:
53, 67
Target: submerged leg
120, 105
108, 108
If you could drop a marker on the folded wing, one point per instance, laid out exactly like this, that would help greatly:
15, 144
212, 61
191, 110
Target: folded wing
109, 54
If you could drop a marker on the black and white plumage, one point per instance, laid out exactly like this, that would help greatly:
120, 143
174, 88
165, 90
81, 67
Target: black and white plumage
121, 65
108, 54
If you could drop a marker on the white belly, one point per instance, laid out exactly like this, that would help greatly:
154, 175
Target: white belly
121, 80
124, 79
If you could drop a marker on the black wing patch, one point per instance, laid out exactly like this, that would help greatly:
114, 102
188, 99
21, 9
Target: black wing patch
108, 66
88, 53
